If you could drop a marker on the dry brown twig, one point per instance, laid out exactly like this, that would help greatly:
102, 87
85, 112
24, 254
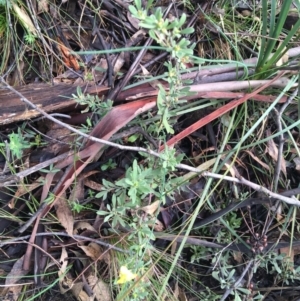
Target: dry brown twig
291, 201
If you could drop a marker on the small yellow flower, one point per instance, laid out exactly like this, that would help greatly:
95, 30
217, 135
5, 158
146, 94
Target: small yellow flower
125, 275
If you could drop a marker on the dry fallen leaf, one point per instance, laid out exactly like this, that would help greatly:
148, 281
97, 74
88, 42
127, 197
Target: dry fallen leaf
151, 209
133, 21
238, 257
43, 6
24, 18
92, 184
228, 166
12, 278
102, 291
77, 192
264, 165
69, 58
95, 252
203, 167
83, 296
83, 226
92, 250
77, 291
65, 284
179, 293
64, 214
154, 83
272, 150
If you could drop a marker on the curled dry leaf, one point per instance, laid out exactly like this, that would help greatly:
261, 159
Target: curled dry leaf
92, 250
264, 165
95, 252
151, 209
69, 58
83, 226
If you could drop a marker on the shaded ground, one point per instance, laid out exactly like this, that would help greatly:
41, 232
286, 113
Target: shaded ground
74, 212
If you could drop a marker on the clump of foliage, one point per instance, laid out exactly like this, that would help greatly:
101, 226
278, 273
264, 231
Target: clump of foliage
169, 35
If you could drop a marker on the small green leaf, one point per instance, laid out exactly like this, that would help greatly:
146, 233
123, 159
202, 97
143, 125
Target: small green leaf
133, 10
100, 212
133, 138
188, 30
237, 297
182, 20
244, 290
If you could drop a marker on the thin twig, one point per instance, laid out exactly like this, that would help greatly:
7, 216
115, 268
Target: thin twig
291, 201
110, 70
151, 62
54, 115
117, 89
236, 285
7, 180
241, 180
33, 218
6, 165
48, 116
79, 237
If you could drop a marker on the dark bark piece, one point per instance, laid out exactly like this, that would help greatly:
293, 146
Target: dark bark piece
291, 20
49, 98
